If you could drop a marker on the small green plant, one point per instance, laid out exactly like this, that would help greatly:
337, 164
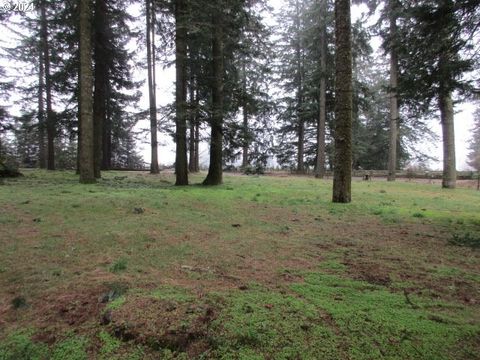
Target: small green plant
119, 265
418, 215
466, 239
117, 303
116, 290
74, 348
377, 212
172, 293
109, 343
19, 346
19, 302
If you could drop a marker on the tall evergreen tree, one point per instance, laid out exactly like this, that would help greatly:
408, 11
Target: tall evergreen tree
322, 96
101, 75
433, 60
151, 60
87, 160
181, 161
393, 8
5, 125
474, 144
50, 116
343, 103
215, 170
292, 76
248, 127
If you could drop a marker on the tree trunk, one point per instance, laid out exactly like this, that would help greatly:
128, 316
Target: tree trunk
191, 146
42, 159
191, 138
394, 113
322, 118
152, 85
87, 161
101, 80
48, 89
448, 129
197, 136
181, 162
215, 171
107, 133
79, 129
300, 120
342, 181
246, 142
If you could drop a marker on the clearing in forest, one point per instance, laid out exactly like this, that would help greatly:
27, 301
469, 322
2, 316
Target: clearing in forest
258, 268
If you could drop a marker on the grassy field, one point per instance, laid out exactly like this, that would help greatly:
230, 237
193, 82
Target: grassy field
258, 268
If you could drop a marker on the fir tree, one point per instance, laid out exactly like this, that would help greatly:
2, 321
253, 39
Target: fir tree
474, 145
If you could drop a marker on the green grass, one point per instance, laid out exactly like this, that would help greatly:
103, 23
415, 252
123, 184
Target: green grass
259, 267
19, 346
376, 323
259, 324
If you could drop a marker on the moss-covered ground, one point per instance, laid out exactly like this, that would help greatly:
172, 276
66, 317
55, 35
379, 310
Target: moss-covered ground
258, 268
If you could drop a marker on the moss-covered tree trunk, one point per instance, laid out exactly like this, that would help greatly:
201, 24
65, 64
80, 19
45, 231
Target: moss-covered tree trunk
215, 171
101, 80
87, 173
342, 181
181, 161
154, 169
394, 113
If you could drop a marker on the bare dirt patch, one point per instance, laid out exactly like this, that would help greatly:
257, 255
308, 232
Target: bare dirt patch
373, 273
164, 324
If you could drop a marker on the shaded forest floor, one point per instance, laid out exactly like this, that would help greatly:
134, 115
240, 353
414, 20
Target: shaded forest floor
258, 268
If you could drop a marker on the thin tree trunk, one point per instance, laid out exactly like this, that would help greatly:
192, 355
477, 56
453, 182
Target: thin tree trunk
48, 88
300, 120
197, 134
215, 171
181, 162
79, 129
107, 133
342, 181
87, 161
394, 113
42, 159
191, 144
246, 142
322, 118
448, 129
101, 80
154, 169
